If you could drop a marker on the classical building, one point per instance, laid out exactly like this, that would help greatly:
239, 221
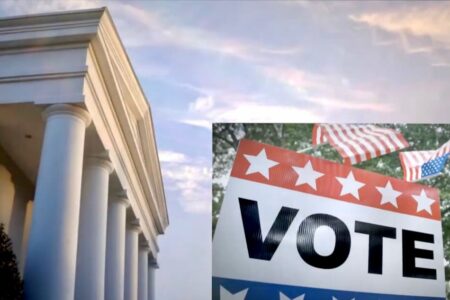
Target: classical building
81, 193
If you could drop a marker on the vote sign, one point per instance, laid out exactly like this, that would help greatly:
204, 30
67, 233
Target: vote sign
297, 227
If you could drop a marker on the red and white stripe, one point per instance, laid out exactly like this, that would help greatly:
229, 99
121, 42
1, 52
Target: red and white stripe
444, 149
358, 143
412, 161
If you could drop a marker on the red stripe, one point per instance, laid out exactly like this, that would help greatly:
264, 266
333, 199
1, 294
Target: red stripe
314, 134
411, 161
376, 132
336, 146
364, 136
393, 142
358, 140
344, 140
404, 166
363, 152
402, 139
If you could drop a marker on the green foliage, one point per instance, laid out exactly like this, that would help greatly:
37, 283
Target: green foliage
297, 137
11, 285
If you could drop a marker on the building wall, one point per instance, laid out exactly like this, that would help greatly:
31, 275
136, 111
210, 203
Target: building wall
16, 193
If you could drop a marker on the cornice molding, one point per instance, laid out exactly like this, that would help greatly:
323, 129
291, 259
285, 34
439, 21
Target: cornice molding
50, 28
44, 76
52, 17
116, 136
107, 46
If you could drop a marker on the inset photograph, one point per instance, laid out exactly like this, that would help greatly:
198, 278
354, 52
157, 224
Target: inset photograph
330, 211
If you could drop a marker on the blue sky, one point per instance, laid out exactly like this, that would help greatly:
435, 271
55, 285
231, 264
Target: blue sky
202, 62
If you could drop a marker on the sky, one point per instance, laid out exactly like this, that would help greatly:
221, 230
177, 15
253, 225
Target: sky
201, 62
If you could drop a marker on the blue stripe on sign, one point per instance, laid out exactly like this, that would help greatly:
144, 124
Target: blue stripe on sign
269, 291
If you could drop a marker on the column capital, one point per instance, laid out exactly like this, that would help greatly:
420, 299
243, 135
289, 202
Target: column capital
134, 225
153, 263
143, 246
100, 159
66, 109
121, 197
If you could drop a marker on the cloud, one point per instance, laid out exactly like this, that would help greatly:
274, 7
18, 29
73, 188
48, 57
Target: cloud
417, 30
141, 28
419, 21
440, 65
282, 51
261, 112
326, 91
171, 156
202, 103
224, 105
312, 98
254, 112
192, 182
204, 123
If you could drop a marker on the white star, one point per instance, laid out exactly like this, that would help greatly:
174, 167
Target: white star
259, 163
284, 297
388, 194
350, 185
307, 175
226, 295
423, 202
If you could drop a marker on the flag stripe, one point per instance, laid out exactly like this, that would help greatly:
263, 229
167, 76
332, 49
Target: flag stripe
388, 146
368, 144
392, 135
355, 148
318, 135
338, 144
377, 145
358, 143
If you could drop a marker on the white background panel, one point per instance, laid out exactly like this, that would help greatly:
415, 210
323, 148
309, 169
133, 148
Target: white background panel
231, 260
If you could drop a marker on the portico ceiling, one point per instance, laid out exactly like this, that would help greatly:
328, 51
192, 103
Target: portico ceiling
22, 132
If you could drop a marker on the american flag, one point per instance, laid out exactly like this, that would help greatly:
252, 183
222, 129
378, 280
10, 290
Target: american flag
357, 143
419, 165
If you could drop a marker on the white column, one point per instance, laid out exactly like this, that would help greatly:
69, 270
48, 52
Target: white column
131, 260
115, 247
16, 225
90, 276
143, 271
52, 246
152, 266
6, 197
25, 235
